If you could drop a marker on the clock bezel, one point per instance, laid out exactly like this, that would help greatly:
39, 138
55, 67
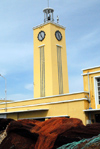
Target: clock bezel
56, 35
42, 37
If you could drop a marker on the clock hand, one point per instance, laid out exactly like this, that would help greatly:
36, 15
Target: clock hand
41, 35
58, 35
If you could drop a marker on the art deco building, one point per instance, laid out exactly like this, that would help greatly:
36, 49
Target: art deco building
51, 89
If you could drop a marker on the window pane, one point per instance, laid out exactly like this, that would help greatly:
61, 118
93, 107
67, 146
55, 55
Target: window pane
98, 84
98, 79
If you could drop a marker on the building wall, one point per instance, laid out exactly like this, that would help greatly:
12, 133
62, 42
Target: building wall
72, 109
71, 105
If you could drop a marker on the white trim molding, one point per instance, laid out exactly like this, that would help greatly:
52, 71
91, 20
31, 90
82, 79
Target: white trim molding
34, 110
42, 104
46, 117
41, 46
58, 45
49, 22
91, 110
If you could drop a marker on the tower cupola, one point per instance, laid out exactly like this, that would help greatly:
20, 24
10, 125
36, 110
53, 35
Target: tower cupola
48, 14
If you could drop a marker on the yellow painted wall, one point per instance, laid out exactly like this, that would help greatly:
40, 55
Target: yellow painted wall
51, 70
93, 73
34, 115
98, 106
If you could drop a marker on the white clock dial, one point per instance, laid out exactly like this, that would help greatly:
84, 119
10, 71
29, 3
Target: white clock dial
58, 35
41, 35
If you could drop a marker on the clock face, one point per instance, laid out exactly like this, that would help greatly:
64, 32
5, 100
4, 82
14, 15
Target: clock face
58, 35
41, 35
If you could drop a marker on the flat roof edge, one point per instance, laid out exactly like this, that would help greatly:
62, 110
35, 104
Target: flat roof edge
91, 110
48, 97
48, 23
90, 68
24, 111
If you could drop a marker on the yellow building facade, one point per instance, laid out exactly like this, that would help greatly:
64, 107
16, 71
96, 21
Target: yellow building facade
51, 88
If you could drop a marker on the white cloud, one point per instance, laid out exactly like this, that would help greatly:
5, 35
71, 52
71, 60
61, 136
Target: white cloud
90, 39
29, 87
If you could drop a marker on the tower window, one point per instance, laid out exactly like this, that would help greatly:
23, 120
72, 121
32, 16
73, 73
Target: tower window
60, 75
42, 72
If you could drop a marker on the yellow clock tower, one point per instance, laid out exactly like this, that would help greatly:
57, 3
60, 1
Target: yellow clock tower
50, 62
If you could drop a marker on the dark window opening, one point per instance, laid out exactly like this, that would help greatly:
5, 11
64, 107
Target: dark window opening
97, 118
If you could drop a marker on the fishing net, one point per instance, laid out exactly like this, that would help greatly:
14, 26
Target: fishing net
92, 141
86, 142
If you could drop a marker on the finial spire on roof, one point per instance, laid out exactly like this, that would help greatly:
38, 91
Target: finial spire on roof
48, 3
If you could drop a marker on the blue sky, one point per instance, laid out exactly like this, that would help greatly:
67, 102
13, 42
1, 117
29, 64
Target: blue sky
17, 17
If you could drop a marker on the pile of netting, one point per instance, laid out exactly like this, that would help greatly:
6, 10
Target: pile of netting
84, 144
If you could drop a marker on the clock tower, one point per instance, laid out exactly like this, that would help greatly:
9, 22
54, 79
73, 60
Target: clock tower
50, 61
